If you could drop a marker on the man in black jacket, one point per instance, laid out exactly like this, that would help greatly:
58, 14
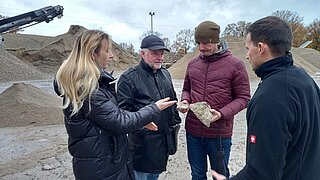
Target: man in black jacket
137, 87
283, 116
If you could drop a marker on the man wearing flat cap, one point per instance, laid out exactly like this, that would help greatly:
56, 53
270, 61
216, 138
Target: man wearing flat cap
137, 87
220, 79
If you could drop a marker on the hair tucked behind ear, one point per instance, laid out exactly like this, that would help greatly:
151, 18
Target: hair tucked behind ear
78, 75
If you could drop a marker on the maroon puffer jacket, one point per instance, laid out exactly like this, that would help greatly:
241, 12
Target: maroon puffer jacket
222, 81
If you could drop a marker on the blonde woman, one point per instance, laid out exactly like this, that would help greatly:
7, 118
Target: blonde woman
96, 127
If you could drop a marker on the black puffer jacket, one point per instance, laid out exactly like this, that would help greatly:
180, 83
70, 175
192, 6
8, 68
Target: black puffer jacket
148, 147
97, 138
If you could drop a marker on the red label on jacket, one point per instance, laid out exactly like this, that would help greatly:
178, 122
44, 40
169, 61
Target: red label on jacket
253, 139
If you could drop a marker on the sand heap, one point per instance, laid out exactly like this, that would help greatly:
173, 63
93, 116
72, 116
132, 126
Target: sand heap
25, 42
13, 69
33, 57
178, 69
24, 104
47, 53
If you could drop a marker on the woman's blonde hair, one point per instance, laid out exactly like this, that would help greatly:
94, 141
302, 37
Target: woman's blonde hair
78, 75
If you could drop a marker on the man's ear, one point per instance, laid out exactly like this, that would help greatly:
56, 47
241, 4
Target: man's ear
262, 47
142, 53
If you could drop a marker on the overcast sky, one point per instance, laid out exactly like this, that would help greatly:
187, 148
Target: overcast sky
127, 20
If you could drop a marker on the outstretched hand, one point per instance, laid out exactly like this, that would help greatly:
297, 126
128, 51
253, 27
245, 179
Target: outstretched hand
183, 106
217, 176
165, 103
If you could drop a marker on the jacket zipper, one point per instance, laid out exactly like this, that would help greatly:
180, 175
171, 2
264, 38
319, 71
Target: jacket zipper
204, 89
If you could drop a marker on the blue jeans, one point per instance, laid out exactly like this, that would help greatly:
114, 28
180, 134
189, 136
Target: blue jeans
199, 148
146, 176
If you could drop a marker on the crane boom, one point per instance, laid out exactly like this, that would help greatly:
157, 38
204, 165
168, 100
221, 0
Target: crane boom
45, 14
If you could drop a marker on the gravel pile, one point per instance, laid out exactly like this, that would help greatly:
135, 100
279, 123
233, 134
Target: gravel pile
24, 104
13, 69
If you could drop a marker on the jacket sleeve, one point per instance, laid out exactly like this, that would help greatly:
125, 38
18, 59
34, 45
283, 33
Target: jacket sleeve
240, 92
110, 117
186, 90
269, 123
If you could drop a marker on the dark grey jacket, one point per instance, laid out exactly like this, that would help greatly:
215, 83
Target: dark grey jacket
148, 147
97, 138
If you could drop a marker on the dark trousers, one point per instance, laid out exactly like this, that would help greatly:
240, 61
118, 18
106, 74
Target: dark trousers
199, 148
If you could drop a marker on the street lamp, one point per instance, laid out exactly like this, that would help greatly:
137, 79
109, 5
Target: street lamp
151, 14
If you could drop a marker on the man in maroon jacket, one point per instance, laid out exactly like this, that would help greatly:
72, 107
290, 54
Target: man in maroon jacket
221, 80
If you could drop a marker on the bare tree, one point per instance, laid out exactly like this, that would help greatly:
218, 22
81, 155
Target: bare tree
167, 43
300, 35
296, 22
289, 16
230, 30
184, 41
314, 34
239, 29
242, 28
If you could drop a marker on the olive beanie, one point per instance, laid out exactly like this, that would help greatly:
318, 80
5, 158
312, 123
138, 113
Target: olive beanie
207, 32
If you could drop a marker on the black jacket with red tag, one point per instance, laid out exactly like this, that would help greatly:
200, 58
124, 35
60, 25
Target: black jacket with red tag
283, 119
